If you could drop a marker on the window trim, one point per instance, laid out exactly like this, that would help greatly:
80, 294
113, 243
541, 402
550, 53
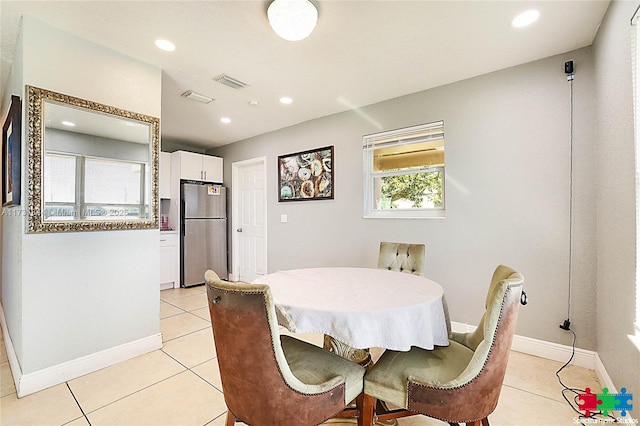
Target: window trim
401, 136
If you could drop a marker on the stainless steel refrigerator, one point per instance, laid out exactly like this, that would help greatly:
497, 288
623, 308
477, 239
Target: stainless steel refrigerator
203, 232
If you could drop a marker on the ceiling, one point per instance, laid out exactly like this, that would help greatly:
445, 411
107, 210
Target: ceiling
360, 53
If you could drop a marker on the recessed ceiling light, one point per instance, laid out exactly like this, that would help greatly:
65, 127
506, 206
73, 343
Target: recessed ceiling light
225, 120
69, 123
165, 45
525, 18
286, 100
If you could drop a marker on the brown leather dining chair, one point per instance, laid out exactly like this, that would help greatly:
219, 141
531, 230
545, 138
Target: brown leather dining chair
269, 379
401, 257
459, 383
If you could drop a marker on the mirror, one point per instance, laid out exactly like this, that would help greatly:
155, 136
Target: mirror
91, 167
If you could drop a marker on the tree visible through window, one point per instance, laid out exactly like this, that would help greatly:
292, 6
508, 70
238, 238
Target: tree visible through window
404, 172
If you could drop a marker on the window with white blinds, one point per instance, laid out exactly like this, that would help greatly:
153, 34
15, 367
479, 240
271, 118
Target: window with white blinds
76, 188
404, 172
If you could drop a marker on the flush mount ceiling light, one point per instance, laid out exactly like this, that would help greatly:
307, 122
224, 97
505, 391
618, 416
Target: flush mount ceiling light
292, 20
525, 19
286, 100
190, 94
165, 45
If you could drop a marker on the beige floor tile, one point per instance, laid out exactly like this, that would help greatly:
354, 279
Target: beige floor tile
180, 325
3, 351
176, 293
168, 310
220, 421
537, 375
202, 313
210, 372
82, 421
190, 303
519, 407
182, 400
104, 386
7, 385
52, 406
421, 421
192, 349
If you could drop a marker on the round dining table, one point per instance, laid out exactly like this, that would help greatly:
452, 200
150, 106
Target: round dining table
361, 307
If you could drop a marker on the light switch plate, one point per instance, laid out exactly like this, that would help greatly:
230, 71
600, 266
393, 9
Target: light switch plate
283, 218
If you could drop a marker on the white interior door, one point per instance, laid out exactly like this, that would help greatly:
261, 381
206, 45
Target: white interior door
249, 219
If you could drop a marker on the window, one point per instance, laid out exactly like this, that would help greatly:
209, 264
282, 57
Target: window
404, 172
77, 189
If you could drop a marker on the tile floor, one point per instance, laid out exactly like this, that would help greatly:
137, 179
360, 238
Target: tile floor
180, 384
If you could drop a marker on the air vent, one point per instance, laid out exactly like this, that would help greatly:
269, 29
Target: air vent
234, 83
190, 94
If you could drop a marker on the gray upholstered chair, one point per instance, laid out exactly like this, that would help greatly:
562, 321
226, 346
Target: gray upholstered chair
269, 379
402, 257
459, 383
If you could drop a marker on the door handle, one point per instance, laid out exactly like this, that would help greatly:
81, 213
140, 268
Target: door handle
239, 230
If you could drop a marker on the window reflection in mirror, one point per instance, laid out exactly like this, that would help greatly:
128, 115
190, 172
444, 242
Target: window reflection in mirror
98, 165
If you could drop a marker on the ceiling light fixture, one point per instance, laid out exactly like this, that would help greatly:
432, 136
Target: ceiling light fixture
234, 83
165, 45
225, 120
292, 20
190, 94
286, 100
525, 18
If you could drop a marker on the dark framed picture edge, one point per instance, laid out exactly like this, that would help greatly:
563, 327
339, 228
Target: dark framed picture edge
330, 148
13, 120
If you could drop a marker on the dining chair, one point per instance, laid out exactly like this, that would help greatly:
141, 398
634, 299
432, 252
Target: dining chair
269, 379
408, 258
402, 257
458, 383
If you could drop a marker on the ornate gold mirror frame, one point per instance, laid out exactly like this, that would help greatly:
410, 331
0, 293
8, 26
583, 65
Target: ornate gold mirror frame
79, 215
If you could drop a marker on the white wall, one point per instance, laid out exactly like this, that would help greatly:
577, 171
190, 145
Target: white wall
76, 294
616, 192
507, 182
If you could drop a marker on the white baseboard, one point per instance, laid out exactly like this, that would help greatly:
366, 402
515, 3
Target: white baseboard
32, 382
543, 349
14, 365
603, 376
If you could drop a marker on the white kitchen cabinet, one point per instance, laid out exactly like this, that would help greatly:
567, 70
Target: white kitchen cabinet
200, 167
164, 185
169, 260
212, 168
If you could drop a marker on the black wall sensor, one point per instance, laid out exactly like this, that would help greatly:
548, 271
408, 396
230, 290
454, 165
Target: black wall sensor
568, 67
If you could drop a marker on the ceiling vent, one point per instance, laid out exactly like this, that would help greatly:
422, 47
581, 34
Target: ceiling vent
234, 83
190, 94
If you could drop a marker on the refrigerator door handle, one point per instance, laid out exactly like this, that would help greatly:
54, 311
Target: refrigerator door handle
182, 210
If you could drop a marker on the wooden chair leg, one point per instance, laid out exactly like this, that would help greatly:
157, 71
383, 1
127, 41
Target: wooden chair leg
366, 405
474, 423
485, 421
231, 419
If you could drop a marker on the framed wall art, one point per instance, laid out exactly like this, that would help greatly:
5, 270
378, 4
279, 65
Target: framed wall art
11, 148
306, 175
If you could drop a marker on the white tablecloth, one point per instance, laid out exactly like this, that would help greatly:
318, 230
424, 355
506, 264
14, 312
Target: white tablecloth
361, 307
